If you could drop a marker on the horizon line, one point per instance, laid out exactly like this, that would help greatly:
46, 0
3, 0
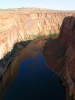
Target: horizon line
36, 8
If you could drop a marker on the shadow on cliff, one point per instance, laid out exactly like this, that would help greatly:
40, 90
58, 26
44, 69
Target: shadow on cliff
8, 58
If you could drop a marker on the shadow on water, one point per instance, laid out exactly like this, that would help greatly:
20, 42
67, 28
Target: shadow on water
30, 79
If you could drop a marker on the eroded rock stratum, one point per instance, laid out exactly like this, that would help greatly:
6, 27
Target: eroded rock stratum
21, 24
60, 56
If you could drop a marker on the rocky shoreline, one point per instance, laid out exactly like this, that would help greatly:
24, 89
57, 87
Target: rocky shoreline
7, 59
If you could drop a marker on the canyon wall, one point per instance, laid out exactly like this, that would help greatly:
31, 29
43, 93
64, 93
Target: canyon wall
21, 24
60, 56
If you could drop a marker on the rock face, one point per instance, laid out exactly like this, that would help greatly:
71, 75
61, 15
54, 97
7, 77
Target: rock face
21, 24
60, 56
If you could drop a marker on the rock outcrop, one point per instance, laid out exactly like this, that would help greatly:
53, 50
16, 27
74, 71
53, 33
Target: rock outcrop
20, 24
60, 56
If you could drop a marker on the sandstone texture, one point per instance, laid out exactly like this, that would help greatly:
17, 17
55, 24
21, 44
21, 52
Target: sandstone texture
20, 24
60, 55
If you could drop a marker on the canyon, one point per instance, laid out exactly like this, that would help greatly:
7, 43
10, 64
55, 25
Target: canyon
21, 24
25, 24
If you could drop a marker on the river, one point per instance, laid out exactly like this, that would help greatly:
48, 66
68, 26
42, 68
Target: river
31, 79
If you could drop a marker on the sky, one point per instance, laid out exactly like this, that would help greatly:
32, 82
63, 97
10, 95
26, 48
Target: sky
51, 4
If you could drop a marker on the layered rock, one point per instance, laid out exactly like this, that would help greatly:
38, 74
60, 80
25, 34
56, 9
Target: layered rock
60, 56
20, 24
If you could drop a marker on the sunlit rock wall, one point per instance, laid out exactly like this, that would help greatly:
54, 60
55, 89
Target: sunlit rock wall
21, 24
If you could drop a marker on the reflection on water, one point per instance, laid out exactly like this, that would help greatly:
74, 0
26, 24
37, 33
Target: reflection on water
33, 48
7, 79
34, 81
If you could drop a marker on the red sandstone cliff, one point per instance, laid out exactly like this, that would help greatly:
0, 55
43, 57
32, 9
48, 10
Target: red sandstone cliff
60, 56
20, 24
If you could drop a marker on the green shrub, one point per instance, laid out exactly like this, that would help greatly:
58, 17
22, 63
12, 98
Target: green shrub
53, 35
40, 35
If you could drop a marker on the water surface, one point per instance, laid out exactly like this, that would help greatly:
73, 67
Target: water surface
35, 82
32, 80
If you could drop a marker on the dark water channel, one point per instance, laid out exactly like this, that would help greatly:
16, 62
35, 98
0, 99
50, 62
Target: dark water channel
34, 81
